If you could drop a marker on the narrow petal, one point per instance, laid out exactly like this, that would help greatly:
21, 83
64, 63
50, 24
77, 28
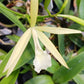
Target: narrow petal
17, 52
42, 58
48, 44
58, 30
33, 12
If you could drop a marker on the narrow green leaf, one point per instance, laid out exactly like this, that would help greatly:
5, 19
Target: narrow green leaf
78, 79
40, 1
15, 38
1, 0
16, 13
42, 79
12, 17
75, 66
11, 79
2, 57
78, 3
66, 10
46, 3
76, 39
63, 6
61, 44
73, 18
58, 3
81, 50
81, 9
2, 52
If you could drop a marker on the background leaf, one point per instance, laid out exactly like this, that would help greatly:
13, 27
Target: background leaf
58, 3
11, 16
75, 66
42, 79
61, 44
11, 79
46, 3
79, 79
81, 9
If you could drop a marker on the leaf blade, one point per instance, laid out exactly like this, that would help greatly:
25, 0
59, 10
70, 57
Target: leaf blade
76, 65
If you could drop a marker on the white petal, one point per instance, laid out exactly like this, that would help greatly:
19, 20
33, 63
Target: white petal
48, 44
17, 52
33, 12
42, 58
58, 30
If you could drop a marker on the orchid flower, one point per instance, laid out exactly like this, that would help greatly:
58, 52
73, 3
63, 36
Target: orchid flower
42, 58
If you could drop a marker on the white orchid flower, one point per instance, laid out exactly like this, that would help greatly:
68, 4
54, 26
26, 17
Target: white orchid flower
42, 58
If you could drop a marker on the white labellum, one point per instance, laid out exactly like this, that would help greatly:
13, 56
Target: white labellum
42, 58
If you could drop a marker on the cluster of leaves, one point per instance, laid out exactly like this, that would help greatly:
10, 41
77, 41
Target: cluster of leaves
56, 73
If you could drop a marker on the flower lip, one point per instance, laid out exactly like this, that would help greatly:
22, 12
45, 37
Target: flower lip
42, 58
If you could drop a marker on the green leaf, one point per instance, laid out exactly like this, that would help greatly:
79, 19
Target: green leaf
81, 9
16, 13
42, 79
81, 50
11, 79
66, 10
61, 44
40, 1
76, 39
54, 66
79, 79
63, 6
78, 3
2, 52
75, 66
1, 0
27, 55
58, 3
46, 3
15, 38
11, 16
2, 57
73, 18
